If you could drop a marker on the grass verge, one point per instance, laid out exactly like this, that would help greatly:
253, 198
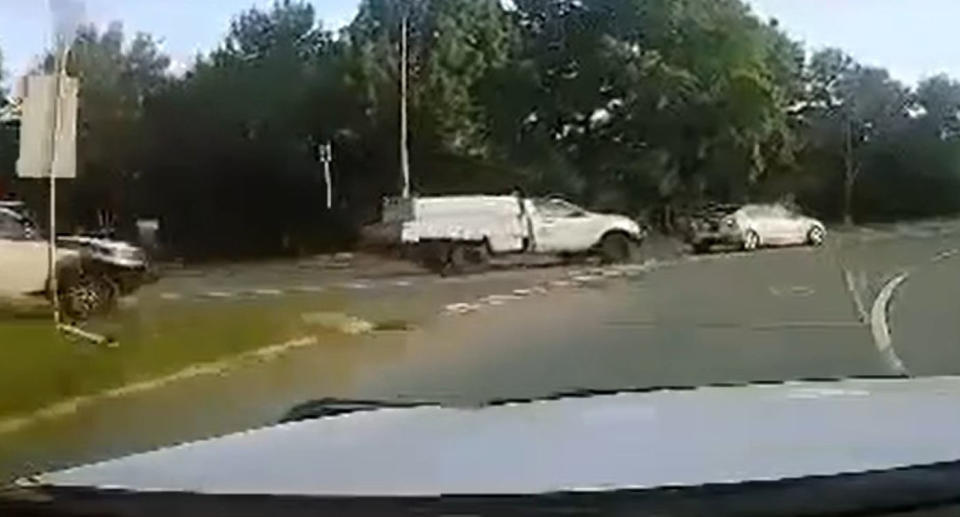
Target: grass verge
40, 367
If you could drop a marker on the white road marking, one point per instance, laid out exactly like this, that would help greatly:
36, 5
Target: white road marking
311, 288
499, 299
267, 292
793, 290
818, 393
880, 326
855, 295
943, 255
218, 294
460, 308
586, 278
171, 296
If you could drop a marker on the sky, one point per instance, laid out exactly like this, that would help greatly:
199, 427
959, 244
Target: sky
185, 27
913, 40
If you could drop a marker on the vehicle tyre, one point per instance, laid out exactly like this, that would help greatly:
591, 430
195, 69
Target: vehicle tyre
83, 296
457, 259
615, 247
815, 236
751, 241
701, 247
432, 255
478, 254
110, 292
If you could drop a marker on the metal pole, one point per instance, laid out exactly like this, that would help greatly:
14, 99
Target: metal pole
404, 154
61, 65
327, 158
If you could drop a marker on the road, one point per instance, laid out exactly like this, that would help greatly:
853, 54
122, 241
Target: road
678, 321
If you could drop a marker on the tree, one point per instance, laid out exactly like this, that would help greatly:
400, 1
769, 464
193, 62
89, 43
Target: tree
650, 101
853, 107
455, 45
644, 106
115, 80
8, 139
243, 178
3, 91
939, 99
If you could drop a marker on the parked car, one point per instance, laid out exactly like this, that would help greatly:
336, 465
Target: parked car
450, 232
753, 226
91, 273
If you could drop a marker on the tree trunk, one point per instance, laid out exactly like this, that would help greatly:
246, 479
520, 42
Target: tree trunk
848, 199
849, 174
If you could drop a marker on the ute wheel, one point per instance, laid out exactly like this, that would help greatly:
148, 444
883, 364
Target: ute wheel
751, 241
456, 260
432, 255
83, 296
478, 255
615, 247
815, 236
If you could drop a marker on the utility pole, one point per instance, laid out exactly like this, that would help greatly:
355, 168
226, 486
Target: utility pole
404, 153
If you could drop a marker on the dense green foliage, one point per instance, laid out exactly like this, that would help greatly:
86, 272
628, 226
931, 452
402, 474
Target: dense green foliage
8, 138
643, 106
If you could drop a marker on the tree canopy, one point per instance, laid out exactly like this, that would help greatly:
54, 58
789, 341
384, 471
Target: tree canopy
643, 106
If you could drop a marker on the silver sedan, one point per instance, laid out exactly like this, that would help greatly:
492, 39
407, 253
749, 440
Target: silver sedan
753, 226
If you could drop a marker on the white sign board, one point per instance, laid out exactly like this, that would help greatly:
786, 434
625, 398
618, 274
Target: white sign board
37, 125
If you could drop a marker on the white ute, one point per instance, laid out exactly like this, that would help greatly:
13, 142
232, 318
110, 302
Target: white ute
450, 233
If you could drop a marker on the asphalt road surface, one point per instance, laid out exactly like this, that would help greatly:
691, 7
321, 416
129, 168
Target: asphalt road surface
871, 302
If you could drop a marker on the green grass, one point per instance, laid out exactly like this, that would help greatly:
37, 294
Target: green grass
39, 366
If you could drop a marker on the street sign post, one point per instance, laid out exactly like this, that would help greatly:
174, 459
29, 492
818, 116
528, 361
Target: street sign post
48, 128
326, 156
48, 145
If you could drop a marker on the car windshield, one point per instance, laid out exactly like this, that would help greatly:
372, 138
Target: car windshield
555, 207
220, 215
767, 211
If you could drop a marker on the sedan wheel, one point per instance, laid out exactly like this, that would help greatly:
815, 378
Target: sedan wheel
751, 241
615, 248
815, 236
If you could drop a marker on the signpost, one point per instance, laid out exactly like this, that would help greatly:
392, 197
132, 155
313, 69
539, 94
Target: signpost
325, 152
48, 131
404, 151
48, 146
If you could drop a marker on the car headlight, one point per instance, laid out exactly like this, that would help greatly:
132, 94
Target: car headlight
729, 222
